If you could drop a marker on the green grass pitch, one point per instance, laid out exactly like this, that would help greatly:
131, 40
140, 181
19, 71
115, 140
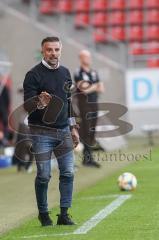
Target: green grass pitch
137, 218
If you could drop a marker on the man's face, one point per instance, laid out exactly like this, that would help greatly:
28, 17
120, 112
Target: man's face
85, 59
51, 52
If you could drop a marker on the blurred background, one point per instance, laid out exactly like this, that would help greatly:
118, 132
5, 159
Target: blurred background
123, 38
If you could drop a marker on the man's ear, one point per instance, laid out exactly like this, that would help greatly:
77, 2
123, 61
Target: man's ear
60, 44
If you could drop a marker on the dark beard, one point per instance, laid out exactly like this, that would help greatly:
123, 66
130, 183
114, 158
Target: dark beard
53, 65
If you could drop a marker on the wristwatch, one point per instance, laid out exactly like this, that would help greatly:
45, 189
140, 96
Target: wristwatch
74, 126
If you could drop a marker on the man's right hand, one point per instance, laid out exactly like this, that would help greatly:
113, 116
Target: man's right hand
44, 99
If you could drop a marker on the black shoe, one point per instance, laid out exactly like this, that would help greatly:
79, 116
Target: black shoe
64, 220
45, 219
91, 164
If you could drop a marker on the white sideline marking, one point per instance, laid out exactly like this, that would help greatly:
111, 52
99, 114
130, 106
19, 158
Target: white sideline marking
92, 222
45, 235
105, 212
98, 197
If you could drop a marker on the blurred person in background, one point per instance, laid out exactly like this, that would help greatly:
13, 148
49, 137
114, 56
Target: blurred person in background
1, 137
23, 157
5, 102
88, 87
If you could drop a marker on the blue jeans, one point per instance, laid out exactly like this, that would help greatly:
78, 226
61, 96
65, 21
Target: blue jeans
44, 144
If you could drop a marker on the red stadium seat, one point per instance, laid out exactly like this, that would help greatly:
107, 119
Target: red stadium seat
136, 48
118, 33
117, 18
152, 4
117, 5
99, 19
135, 33
65, 6
99, 5
153, 63
99, 35
152, 16
135, 4
152, 33
47, 6
152, 48
81, 20
82, 6
135, 17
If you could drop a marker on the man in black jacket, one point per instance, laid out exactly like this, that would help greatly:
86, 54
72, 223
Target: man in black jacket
47, 99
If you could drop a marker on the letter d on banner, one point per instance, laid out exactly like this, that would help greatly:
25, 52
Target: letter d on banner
142, 89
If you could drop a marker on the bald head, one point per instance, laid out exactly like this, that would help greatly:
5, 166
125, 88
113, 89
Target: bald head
85, 58
84, 52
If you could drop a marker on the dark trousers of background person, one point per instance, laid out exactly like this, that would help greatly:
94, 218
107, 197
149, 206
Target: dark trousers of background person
4, 118
4, 113
4, 124
23, 156
88, 122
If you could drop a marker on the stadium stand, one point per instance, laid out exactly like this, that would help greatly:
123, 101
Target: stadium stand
135, 4
99, 5
47, 6
81, 20
105, 40
134, 23
66, 6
